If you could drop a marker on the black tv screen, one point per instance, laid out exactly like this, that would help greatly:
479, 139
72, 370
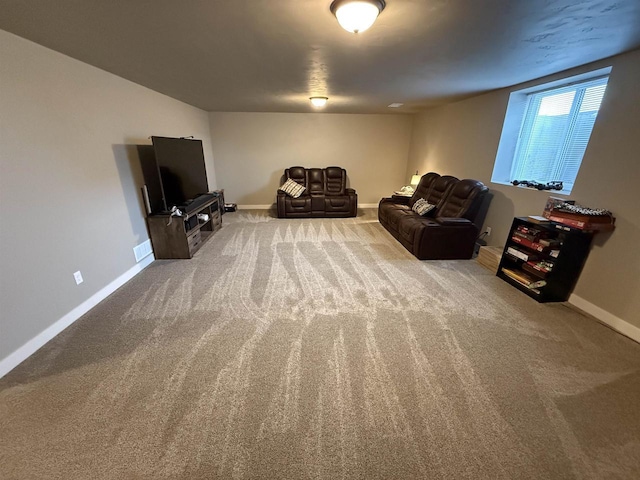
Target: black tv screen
182, 169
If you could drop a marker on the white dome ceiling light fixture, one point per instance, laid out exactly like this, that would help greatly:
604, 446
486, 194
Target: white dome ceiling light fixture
356, 15
318, 102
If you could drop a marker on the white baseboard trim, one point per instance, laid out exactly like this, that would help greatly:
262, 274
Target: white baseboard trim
618, 324
19, 355
256, 207
269, 207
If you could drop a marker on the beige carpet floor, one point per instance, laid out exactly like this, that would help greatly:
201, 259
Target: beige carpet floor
321, 349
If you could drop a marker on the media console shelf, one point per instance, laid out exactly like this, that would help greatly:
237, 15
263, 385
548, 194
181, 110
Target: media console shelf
181, 237
544, 260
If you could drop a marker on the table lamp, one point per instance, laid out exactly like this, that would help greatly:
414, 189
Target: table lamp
415, 179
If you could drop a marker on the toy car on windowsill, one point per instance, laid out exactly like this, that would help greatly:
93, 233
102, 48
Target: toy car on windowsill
538, 185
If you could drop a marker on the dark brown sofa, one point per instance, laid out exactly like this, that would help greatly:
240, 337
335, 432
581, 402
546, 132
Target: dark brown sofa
450, 232
326, 194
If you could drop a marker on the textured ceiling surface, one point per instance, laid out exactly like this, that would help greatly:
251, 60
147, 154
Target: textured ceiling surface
272, 55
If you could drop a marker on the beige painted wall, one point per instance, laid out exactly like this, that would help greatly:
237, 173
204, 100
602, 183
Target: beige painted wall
253, 149
462, 139
69, 180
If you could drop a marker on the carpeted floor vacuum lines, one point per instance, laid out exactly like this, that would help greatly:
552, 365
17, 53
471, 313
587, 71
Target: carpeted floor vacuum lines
321, 349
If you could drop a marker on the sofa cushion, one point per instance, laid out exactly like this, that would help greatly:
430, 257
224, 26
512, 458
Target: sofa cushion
292, 188
410, 228
336, 204
461, 201
299, 205
336, 180
315, 180
424, 187
440, 189
297, 174
423, 208
388, 210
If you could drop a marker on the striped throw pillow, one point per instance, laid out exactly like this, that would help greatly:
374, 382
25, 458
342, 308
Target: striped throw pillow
292, 188
422, 207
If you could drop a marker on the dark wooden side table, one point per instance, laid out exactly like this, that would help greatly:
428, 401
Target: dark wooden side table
182, 236
220, 195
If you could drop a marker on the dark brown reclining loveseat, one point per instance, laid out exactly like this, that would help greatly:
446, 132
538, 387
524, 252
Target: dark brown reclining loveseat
326, 194
449, 232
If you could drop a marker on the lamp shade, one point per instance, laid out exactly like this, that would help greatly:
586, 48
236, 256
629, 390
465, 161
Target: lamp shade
356, 15
415, 179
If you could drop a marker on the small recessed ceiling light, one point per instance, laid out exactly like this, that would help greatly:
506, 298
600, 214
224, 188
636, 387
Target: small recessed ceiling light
318, 101
395, 105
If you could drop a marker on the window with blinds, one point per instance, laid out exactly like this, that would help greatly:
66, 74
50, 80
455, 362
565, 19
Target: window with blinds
547, 130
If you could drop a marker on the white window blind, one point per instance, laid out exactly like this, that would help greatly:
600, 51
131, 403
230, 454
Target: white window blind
555, 130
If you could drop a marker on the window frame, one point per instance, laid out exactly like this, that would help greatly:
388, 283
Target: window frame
518, 106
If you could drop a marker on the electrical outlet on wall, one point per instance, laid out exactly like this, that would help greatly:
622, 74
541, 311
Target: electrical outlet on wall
488, 230
78, 276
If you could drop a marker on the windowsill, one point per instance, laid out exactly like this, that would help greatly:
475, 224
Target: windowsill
550, 192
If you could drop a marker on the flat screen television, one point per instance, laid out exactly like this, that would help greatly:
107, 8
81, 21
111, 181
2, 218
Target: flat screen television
175, 174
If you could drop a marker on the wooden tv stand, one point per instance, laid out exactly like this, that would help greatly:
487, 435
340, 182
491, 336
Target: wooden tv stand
181, 237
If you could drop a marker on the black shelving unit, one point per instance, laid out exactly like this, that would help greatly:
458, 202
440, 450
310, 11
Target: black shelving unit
567, 258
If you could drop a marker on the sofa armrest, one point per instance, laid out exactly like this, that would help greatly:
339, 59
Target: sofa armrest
400, 200
281, 194
446, 238
353, 201
280, 203
453, 221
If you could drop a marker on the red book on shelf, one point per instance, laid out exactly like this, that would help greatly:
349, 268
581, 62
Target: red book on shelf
538, 267
529, 244
526, 236
583, 222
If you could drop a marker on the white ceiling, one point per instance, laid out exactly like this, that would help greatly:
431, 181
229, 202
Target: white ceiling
272, 55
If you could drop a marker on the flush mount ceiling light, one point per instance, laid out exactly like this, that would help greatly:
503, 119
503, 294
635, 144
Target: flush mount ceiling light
356, 15
318, 101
